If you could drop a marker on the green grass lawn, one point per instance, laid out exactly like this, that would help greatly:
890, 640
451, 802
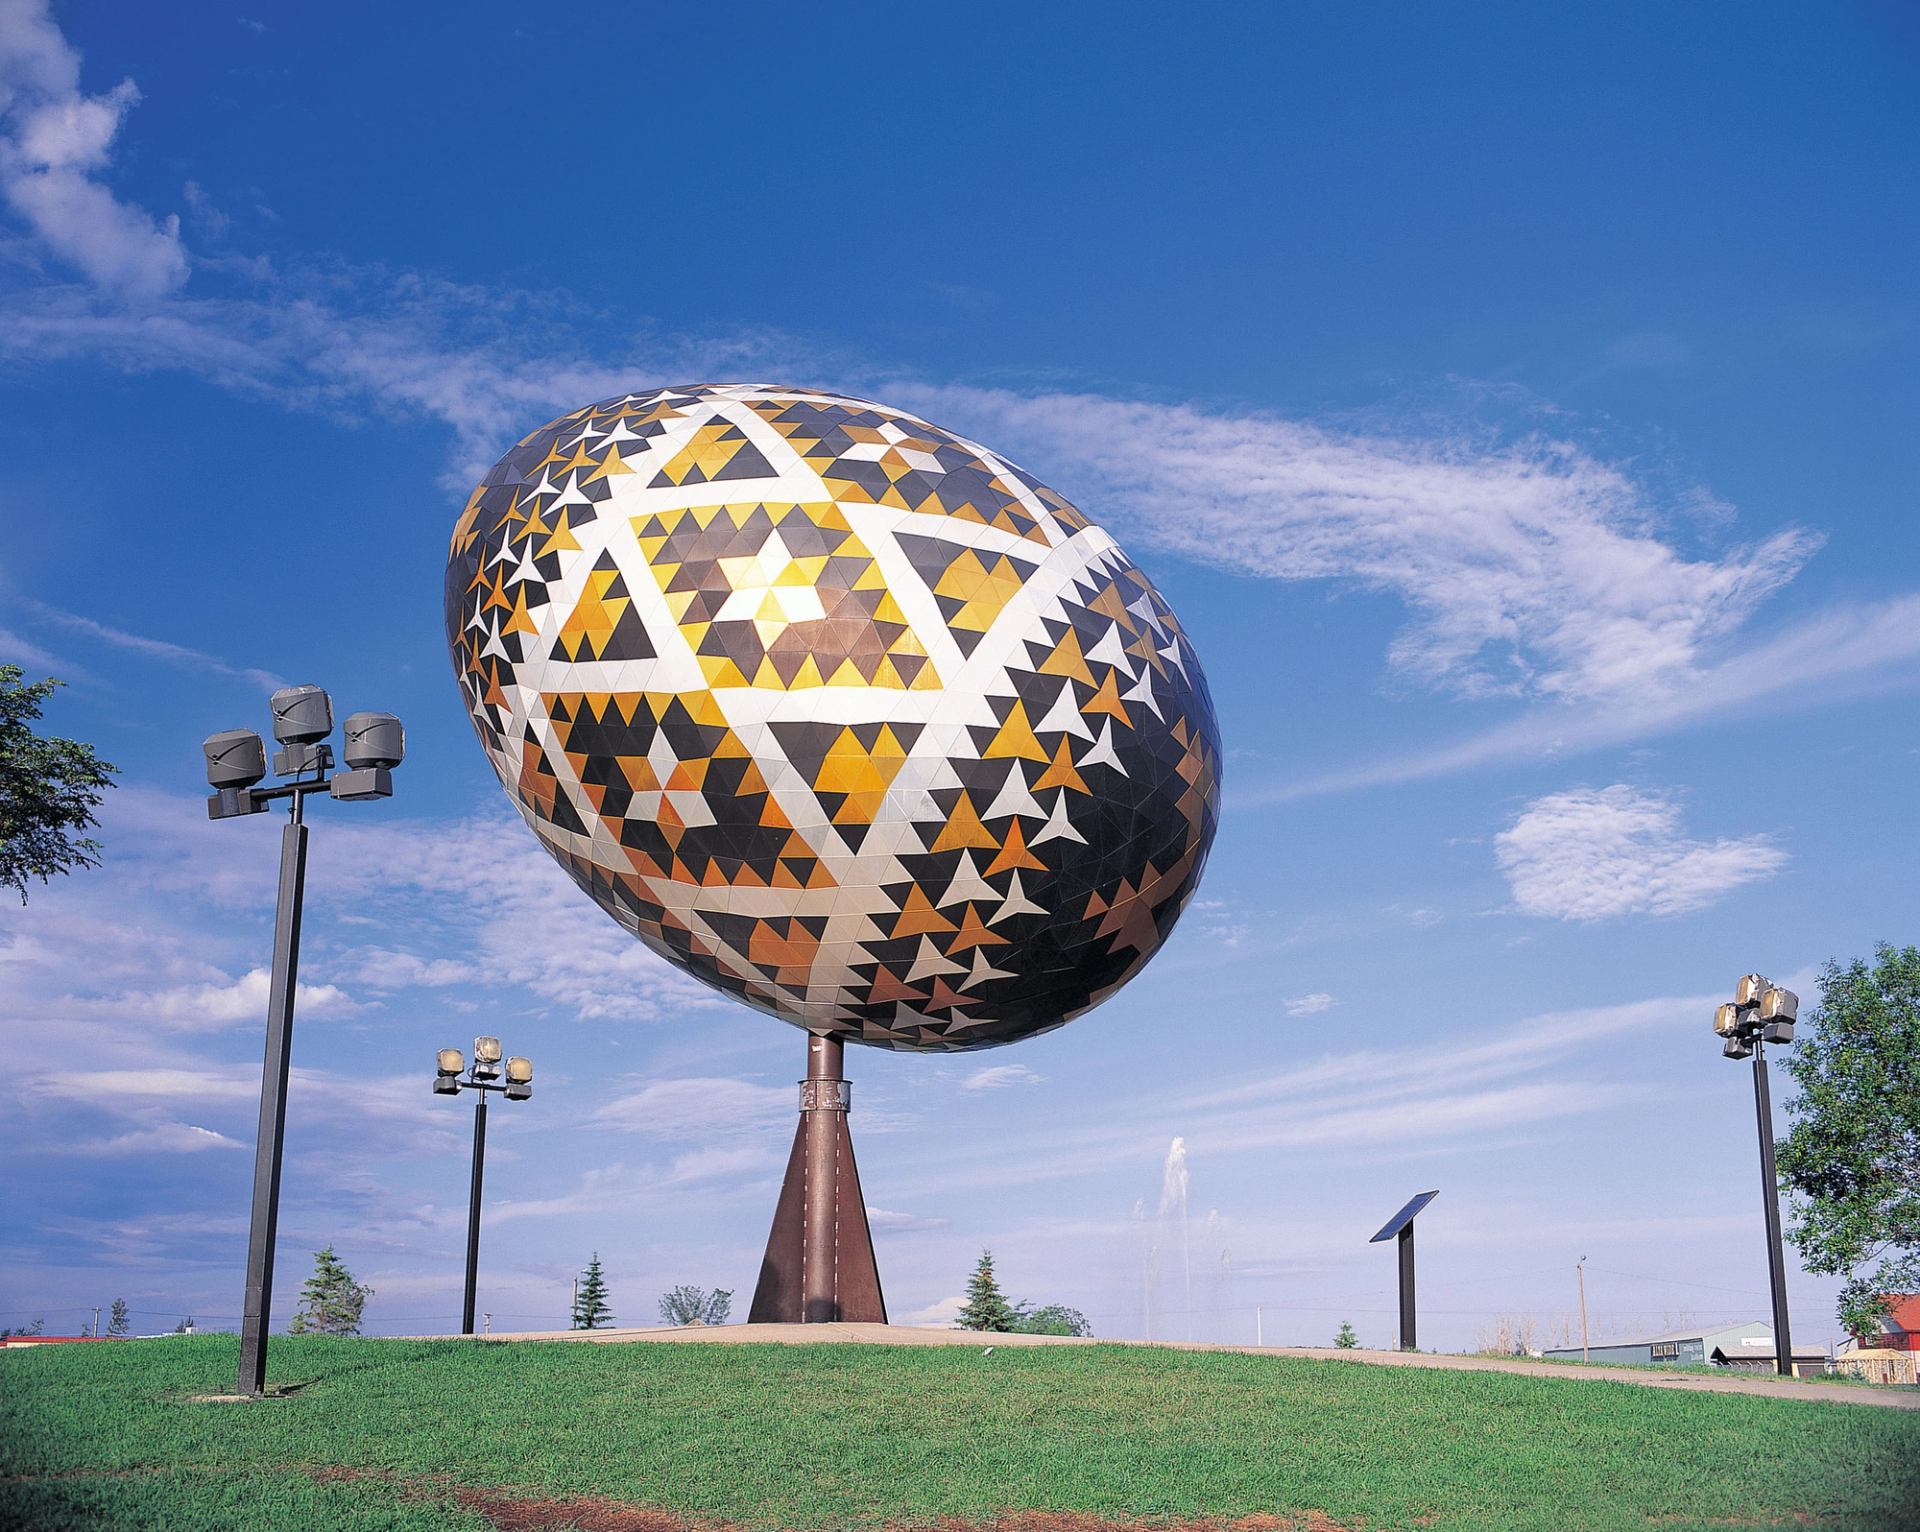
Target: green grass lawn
856, 1436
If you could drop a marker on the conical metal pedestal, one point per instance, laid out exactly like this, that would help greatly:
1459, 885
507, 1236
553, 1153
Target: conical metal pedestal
819, 1264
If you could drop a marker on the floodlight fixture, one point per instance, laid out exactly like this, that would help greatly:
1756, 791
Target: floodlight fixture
1737, 1048
362, 784
301, 714
1780, 1005
1749, 990
1726, 1020
482, 1076
235, 758
374, 739
236, 763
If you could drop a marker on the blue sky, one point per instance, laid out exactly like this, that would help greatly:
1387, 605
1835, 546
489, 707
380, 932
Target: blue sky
1515, 405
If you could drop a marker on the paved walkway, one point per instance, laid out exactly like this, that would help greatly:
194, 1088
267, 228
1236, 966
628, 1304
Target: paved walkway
1766, 1386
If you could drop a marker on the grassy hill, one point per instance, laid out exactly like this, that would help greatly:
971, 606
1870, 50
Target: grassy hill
411, 1434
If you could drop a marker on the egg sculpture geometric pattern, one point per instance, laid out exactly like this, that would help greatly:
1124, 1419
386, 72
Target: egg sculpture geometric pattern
840, 712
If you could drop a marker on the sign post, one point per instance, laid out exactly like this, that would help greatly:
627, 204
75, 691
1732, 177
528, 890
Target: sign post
1400, 1228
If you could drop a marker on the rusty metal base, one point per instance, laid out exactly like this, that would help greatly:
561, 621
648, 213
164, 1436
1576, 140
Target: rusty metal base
819, 1266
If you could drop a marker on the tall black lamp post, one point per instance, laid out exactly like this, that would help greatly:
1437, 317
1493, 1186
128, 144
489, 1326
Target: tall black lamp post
484, 1075
1760, 1013
236, 761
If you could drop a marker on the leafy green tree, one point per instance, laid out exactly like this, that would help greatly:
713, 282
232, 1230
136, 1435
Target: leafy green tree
1852, 1159
1346, 1340
987, 1307
590, 1310
33, 1329
1051, 1319
185, 1327
331, 1302
685, 1305
49, 789
118, 1322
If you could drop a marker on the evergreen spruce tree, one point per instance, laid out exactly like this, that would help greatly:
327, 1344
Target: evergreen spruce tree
331, 1302
117, 1322
590, 1309
1346, 1340
987, 1307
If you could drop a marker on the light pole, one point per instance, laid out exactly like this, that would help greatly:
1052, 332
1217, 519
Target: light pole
1758, 1014
236, 760
483, 1076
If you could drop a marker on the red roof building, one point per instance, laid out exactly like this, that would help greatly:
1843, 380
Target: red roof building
1900, 1328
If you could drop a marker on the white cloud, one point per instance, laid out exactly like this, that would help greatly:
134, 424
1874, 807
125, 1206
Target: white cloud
386, 968
197, 1007
1858, 650
946, 1313
152, 648
700, 1107
999, 1076
1530, 569
1596, 853
1309, 1005
510, 908
54, 140
165, 1138
15, 650
1527, 1080
901, 1223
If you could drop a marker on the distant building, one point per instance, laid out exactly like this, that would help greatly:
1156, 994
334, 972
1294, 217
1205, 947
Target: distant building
1748, 1345
1893, 1354
1899, 1328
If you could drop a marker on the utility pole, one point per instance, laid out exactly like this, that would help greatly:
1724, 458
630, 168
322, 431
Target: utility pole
96, 1321
1259, 1327
1580, 1271
489, 1323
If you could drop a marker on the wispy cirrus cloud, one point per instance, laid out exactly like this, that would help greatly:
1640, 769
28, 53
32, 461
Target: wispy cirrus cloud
1529, 569
999, 1077
1599, 853
165, 650
1857, 650
1526, 1080
699, 1106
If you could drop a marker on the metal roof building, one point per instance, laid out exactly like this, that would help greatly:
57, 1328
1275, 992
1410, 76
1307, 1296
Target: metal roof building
1680, 1347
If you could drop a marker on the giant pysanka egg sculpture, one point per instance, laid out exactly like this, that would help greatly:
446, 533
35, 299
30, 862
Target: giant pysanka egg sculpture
842, 713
